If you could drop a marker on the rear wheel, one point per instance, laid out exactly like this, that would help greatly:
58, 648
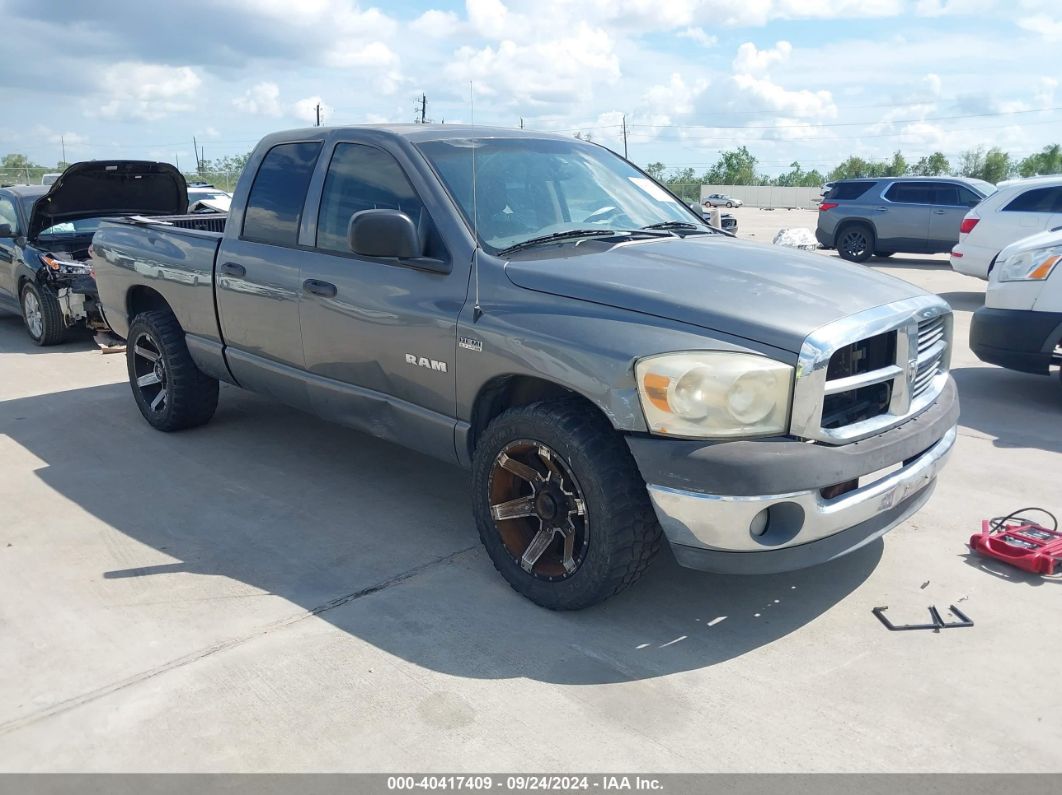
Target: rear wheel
42, 315
560, 505
730, 204
855, 243
170, 391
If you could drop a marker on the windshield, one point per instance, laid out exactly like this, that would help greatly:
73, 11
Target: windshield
528, 188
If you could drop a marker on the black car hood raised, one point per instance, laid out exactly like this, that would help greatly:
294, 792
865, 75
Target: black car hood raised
110, 187
769, 294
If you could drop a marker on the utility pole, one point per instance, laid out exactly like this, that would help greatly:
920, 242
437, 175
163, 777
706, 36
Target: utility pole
318, 124
624, 136
521, 122
62, 142
423, 108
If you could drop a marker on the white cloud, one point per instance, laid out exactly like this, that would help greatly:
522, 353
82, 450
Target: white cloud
1045, 26
676, 97
437, 24
306, 110
770, 95
262, 99
699, 36
147, 91
939, 8
751, 60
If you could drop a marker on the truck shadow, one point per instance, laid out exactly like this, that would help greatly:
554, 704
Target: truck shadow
14, 339
1015, 409
376, 540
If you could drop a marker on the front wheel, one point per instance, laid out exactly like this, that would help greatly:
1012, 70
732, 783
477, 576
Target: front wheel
42, 314
170, 391
730, 204
560, 506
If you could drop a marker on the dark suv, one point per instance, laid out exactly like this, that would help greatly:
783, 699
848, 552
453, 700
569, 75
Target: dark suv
878, 217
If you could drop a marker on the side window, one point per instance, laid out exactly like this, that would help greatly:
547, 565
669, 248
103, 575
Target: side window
1038, 200
968, 198
945, 195
910, 193
848, 190
363, 178
8, 214
274, 205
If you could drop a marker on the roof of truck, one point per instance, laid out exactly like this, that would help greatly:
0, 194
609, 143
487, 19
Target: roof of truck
418, 133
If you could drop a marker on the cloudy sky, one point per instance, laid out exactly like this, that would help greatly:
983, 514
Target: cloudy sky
807, 80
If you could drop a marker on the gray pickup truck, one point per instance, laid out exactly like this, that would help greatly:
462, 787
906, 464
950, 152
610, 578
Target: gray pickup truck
537, 309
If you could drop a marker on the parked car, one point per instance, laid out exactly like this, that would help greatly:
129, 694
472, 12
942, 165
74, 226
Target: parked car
49, 179
606, 372
721, 200
45, 231
1020, 325
1017, 209
878, 217
208, 199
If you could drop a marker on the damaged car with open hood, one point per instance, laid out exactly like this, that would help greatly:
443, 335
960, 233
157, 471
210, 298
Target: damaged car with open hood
46, 231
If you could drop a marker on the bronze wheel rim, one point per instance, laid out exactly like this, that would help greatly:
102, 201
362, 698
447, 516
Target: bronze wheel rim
538, 510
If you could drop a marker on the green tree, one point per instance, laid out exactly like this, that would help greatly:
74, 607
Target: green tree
992, 166
798, 178
15, 161
897, 167
735, 167
1048, 161
934, 165
656, 171
855, 167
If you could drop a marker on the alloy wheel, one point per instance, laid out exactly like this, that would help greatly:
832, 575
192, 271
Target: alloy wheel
538, 510
149, 368
31, 310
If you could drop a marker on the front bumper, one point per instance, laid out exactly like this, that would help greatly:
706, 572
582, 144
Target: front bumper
782, 481
1018, 339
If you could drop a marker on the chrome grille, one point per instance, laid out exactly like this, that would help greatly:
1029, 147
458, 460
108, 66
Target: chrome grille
868, 372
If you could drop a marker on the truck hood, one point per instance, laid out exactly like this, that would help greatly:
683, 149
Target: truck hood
110, 187
768, 294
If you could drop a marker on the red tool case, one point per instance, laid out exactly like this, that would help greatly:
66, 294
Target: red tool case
1020, 542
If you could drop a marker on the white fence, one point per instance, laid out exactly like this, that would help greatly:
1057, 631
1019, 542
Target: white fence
768, 196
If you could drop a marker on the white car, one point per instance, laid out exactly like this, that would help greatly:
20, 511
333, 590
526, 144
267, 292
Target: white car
1020, 325
1017, 209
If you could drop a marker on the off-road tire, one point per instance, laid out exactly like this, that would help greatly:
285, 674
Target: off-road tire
192, 396
846, 245
53, 329
623, 532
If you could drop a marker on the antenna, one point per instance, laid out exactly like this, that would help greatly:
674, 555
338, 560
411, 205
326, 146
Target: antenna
477, 312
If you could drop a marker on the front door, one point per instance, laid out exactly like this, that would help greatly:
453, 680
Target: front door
379, 335
9, 216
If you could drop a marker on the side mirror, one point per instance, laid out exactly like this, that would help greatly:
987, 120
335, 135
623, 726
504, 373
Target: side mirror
384, 233
6, 230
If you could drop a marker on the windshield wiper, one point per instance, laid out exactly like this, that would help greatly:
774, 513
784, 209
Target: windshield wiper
673, 225
557, 236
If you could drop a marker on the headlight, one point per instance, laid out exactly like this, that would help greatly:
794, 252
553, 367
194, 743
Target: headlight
70, 267
714, 394
1034, 265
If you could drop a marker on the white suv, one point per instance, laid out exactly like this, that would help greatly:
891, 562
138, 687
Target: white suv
1017, 209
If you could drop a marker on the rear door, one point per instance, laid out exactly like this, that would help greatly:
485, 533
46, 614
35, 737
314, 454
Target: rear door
1030, 212
902, 219
951, 202
380, 335
257, 276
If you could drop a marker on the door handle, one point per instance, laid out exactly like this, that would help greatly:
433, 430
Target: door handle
323, 289
233, 269
882, 209
938, 212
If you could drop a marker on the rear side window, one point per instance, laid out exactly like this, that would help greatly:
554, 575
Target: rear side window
8, 214
363, 178
1038, 200
274, 205
911, 192
968, 198
848, 190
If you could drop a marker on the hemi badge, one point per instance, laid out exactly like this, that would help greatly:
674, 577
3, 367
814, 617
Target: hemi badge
470, 344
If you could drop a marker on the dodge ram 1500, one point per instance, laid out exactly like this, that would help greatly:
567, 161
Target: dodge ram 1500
539, 310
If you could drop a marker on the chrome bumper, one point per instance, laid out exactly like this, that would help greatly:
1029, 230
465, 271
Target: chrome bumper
723, 523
